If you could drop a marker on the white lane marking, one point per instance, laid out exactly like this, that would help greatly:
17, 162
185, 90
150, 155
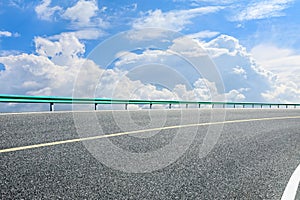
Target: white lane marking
140, 131
290, 191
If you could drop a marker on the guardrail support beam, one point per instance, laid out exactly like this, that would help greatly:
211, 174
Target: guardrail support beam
51, 106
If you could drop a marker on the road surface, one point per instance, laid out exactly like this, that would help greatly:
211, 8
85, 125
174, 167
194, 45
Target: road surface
253, 154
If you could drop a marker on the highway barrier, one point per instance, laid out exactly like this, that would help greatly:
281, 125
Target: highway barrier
51, 100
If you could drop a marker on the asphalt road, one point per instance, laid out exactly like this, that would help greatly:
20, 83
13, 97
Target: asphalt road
242, 158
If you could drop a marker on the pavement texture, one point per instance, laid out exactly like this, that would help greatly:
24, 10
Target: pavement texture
245, 160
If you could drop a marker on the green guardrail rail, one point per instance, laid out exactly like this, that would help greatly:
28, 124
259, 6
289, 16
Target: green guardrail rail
51, 100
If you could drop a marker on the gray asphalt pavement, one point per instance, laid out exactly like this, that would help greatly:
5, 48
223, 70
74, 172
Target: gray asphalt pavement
250, 159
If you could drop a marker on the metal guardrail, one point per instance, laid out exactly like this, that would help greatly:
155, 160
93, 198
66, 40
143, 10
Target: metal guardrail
51, 100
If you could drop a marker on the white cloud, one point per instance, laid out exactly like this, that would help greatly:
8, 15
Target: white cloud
263, 9
89, 34
61, 52
81, 12
59, 64
148, 34
260, 77
243, 77
8, 34
265, 52
173, 20
130, 8
84, 34
5, 34
240, 71
283, 62
45, 12
204, 34
84, 14
8, 52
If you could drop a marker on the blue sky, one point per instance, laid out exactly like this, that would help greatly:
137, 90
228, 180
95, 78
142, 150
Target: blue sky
264, 33
279, 26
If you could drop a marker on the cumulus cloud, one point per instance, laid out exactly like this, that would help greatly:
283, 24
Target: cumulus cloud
81, 12
61, 52
45, 12
84, 14
83, 17
283, 62
173, 20
238, 68
58, 68
244, 78
262, 83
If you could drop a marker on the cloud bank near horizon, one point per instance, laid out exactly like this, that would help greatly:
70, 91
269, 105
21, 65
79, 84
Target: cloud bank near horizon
58, 63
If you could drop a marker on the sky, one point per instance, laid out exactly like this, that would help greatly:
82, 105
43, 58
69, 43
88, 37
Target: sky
200, 50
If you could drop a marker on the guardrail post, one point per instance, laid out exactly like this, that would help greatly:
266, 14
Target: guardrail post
212, 105
286, 106
278, 106
233, 105
51, 106
170, 106
186, 106
243, 105
261, 106
150, 105
270, 106
96, 106
199, 105
294, 106
252, 105
126, 106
